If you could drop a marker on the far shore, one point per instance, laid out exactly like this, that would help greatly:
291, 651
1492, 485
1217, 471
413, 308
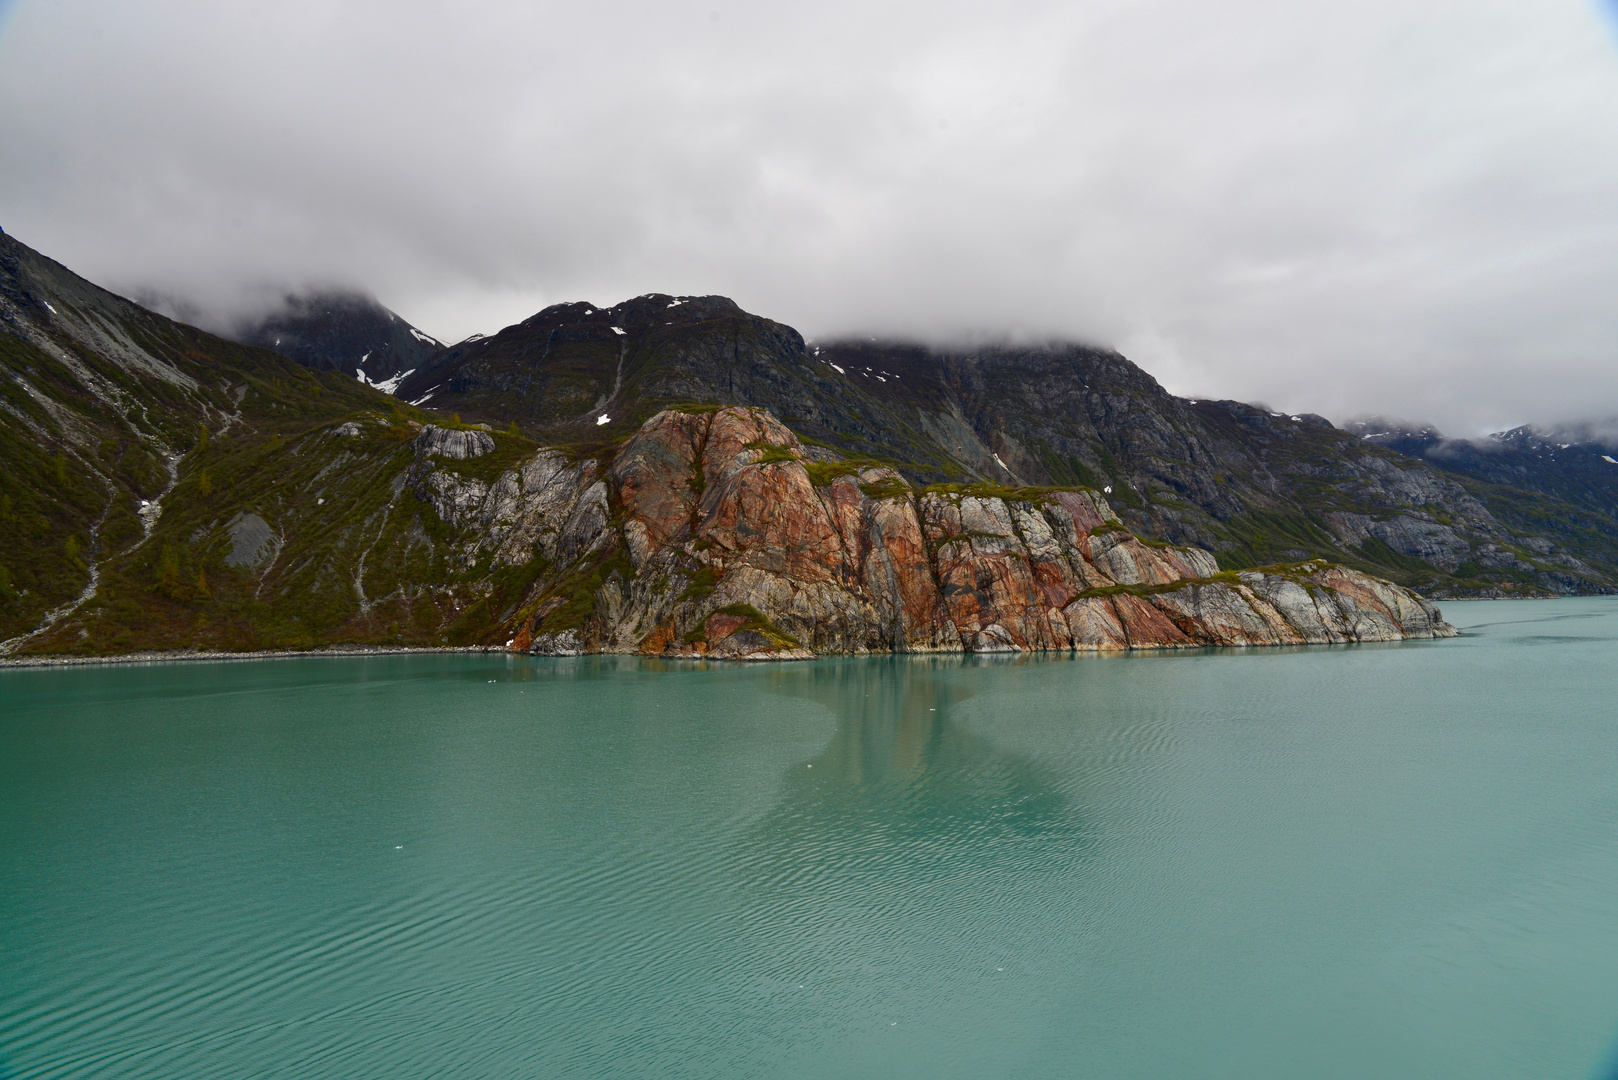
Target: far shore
257, 654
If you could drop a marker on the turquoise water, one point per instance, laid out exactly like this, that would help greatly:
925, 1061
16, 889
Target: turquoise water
1375, 861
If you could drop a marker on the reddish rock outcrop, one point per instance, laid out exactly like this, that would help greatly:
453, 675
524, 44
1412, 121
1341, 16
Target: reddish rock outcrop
712, 536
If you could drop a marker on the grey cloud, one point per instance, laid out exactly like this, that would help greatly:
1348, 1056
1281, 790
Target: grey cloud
1342, 209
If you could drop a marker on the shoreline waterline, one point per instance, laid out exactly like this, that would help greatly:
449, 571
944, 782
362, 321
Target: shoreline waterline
182, 656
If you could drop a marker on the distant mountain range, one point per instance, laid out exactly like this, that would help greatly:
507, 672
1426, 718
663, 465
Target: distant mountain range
165, 488
1573, 466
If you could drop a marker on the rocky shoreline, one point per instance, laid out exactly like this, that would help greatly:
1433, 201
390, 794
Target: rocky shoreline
773, 656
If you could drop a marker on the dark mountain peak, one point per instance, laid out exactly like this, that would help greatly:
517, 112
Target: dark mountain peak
342, 330
1264, 418
639, 313
1395, 433
1527, 438
564, 368
1061, 367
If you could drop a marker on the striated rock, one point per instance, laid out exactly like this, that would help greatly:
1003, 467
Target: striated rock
1436, 543
547, 508
252, 541
710, 537
565, 643
434, 441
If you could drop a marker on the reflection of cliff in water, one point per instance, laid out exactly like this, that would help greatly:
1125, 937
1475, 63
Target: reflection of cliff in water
901, 777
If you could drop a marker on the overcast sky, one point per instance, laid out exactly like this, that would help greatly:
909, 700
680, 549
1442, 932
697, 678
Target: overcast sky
1382, 206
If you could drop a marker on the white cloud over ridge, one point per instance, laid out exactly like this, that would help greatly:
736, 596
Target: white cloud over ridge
1341, 208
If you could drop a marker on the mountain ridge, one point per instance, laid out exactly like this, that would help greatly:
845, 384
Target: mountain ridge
1253, 485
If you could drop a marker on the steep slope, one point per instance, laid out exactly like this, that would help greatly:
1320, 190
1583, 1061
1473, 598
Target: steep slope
1254, 486
343, 331
112, 419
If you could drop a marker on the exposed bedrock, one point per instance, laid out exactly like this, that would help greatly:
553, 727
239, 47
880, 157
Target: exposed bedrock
712, 533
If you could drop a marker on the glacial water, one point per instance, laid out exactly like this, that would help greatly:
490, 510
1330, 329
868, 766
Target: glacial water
1368, 862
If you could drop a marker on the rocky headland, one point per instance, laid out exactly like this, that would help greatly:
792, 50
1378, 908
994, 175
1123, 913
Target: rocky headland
716, 533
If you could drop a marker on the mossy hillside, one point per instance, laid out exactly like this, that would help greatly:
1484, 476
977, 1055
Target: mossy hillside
71, 494
1299, 573
1037, 495
182, 580
334, 503
64, 499
825, 473
888, 488
773, 454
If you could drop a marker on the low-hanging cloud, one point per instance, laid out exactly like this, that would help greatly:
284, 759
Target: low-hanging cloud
1379, 207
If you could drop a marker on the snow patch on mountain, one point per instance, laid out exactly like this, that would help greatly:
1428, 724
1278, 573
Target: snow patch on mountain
389, 385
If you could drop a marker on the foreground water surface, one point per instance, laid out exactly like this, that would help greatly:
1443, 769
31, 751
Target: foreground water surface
1373, 861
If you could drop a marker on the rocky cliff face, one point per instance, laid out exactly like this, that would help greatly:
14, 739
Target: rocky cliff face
728, 540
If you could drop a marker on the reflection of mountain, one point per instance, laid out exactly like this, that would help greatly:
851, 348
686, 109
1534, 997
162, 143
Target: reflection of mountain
898, 774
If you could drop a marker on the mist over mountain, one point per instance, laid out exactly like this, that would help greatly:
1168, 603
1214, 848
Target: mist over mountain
349, 332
